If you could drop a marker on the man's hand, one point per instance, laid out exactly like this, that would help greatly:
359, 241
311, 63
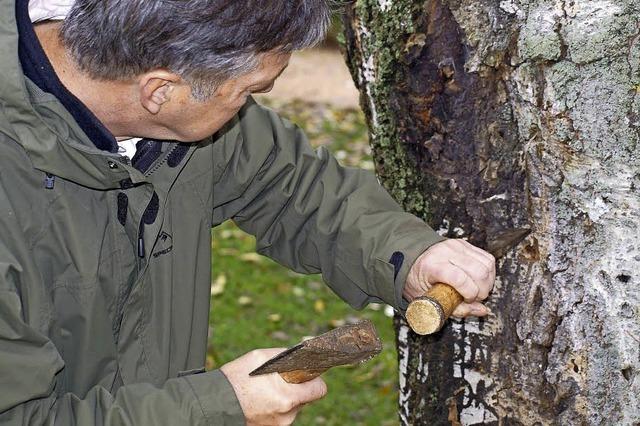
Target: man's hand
468, 269
268, 399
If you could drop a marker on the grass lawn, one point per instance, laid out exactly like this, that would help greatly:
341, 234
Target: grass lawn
257, 303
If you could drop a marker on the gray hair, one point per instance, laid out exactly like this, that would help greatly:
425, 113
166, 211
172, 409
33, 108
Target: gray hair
206, 42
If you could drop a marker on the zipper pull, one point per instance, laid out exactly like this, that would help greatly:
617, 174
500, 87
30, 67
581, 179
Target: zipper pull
49, 181
141, 251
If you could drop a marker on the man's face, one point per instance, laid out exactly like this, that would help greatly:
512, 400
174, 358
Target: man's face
188, 120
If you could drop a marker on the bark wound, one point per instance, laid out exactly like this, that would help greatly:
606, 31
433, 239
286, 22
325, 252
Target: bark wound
459, 129
445, 127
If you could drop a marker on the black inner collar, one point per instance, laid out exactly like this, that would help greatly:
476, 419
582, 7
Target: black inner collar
37, 67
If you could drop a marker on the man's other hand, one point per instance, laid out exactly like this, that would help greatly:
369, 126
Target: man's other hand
468, 269
268, 399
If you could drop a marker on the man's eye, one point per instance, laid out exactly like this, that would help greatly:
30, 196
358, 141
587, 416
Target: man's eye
266, 89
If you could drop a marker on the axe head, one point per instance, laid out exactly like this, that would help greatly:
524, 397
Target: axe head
349, 344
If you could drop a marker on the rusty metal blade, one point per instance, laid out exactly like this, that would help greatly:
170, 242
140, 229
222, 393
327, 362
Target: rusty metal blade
499, 244
350, 344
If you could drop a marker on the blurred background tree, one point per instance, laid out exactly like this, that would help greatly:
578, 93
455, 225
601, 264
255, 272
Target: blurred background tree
488, 118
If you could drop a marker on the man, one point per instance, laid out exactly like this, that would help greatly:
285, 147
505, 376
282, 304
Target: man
105, 261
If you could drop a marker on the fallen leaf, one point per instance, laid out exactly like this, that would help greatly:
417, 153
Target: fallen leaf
274, 317
298, 292
319, 306
226, 234
335, 323
340, 155
244, 301
367, 165
386, 387
251, 257
228, 252
217, 288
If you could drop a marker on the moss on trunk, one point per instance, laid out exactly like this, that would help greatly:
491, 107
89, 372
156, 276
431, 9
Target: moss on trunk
378, 35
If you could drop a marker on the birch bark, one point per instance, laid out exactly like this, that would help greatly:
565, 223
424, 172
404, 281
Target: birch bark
488, 117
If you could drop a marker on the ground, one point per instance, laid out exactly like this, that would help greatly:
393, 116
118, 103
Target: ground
317, 76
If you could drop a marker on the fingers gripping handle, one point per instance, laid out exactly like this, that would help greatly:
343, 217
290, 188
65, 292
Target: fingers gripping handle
428, 314
300, 376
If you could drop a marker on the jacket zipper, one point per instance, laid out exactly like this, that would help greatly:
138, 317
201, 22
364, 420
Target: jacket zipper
155, 167
140, 246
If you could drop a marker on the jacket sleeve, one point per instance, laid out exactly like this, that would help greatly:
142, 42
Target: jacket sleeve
312, 215
31, 367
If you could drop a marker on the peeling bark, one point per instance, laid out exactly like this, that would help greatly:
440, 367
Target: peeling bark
488, 117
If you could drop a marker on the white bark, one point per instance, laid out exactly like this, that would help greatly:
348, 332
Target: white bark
564, 344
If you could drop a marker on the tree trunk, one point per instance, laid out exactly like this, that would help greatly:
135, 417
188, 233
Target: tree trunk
488, 118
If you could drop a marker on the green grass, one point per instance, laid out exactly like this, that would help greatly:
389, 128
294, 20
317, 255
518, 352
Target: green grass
257, 303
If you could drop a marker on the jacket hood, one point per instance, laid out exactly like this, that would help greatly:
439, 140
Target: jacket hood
52, 139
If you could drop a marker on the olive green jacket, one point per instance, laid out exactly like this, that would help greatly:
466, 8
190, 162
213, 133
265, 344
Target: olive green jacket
105, 270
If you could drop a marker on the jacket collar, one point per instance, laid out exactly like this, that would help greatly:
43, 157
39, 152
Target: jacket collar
47, 131
36, 66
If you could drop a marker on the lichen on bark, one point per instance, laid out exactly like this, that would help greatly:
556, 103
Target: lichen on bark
378, 34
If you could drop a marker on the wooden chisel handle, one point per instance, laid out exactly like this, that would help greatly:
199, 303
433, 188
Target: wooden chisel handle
428, 314
300, 376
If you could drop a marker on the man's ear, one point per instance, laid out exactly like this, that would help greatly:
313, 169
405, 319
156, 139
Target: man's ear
155, 89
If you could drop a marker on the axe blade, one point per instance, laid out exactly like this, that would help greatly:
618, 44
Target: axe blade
349, 344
